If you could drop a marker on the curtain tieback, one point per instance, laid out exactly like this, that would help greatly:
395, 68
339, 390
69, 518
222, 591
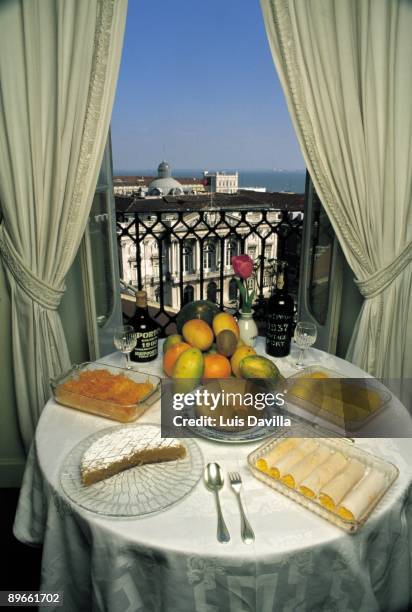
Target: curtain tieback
40, 292
380, 280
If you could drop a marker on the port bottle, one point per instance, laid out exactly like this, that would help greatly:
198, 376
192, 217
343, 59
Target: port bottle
147, 331
280, 314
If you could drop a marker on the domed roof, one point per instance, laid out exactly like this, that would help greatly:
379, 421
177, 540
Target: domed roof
163, 170
168, 186
164, 182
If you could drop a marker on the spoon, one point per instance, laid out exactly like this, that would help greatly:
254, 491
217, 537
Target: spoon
214, 482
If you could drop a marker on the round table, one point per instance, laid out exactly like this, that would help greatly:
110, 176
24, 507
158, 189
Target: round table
172, 561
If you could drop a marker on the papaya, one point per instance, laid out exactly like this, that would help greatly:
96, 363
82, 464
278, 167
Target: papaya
200, 309
256, 366
188, 370
198, 333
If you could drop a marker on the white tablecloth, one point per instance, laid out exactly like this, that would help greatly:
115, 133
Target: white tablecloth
173, 562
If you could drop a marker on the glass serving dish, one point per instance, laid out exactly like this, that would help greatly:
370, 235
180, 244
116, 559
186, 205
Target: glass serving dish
123, 412
345, 446
346, 402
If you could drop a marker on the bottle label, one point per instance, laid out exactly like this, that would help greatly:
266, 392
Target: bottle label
146, 345
279, 331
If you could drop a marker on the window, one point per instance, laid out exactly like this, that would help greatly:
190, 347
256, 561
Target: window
252, 252
232, 290
212, 292
209, 255
188, 256
231, 250
188, 294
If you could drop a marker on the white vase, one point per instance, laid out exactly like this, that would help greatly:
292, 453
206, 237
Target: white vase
248, 328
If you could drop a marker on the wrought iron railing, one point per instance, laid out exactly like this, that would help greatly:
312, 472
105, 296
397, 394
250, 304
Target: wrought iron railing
180, 254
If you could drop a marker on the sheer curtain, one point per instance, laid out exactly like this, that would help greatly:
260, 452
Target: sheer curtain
346, 69
59, 63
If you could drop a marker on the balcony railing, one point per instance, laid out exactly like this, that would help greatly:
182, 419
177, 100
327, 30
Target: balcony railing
180, 251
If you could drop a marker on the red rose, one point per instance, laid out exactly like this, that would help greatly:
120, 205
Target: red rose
242, 266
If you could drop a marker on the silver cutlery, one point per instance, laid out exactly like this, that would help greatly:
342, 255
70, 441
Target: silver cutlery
246, 530
214, 480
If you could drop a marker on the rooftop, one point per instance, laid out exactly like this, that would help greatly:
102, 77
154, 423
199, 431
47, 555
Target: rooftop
293, 202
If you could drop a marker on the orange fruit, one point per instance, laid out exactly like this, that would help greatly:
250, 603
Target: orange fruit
224, 320
216, 366
172, 355
239, 354
198, 334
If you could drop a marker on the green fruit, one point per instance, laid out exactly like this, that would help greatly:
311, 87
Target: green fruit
255, 366
201, 309
171, 341
226, 342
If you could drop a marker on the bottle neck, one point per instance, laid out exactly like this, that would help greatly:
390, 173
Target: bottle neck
281, 279
280, 282
141, 300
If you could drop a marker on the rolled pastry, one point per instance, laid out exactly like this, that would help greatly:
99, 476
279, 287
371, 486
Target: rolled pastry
360, 498
283, 447
286, 462
334, 491
302, 469
311, 485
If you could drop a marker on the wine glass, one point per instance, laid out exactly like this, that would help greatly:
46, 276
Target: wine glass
125, 341
305, 336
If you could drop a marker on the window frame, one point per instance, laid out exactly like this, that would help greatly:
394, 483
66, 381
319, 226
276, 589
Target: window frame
100, 337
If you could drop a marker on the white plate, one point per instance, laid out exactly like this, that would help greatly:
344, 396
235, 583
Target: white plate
140, 491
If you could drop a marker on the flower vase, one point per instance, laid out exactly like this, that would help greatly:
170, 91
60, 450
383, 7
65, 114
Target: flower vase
248, 328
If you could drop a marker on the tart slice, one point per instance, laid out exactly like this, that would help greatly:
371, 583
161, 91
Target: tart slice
126, 448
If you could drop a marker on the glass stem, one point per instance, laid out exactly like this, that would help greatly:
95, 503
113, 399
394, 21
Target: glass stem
300, 358
127, 361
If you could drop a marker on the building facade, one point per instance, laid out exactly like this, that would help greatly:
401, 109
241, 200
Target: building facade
221, 182
179, 255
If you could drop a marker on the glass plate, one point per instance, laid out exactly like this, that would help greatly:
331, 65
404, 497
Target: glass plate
140, 491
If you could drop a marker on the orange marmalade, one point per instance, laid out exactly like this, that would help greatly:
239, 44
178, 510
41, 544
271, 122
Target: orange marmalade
102, 385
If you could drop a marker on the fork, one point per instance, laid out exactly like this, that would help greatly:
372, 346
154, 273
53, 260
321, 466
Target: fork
246, 530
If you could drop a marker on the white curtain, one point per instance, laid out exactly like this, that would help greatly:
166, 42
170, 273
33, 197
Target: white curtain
346, 70
59, 61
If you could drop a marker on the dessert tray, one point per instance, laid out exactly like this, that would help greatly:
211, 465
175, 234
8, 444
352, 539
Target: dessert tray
375, 476
138, 491
332, 397
112, 403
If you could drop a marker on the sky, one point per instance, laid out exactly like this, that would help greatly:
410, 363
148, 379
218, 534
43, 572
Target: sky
197, 87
